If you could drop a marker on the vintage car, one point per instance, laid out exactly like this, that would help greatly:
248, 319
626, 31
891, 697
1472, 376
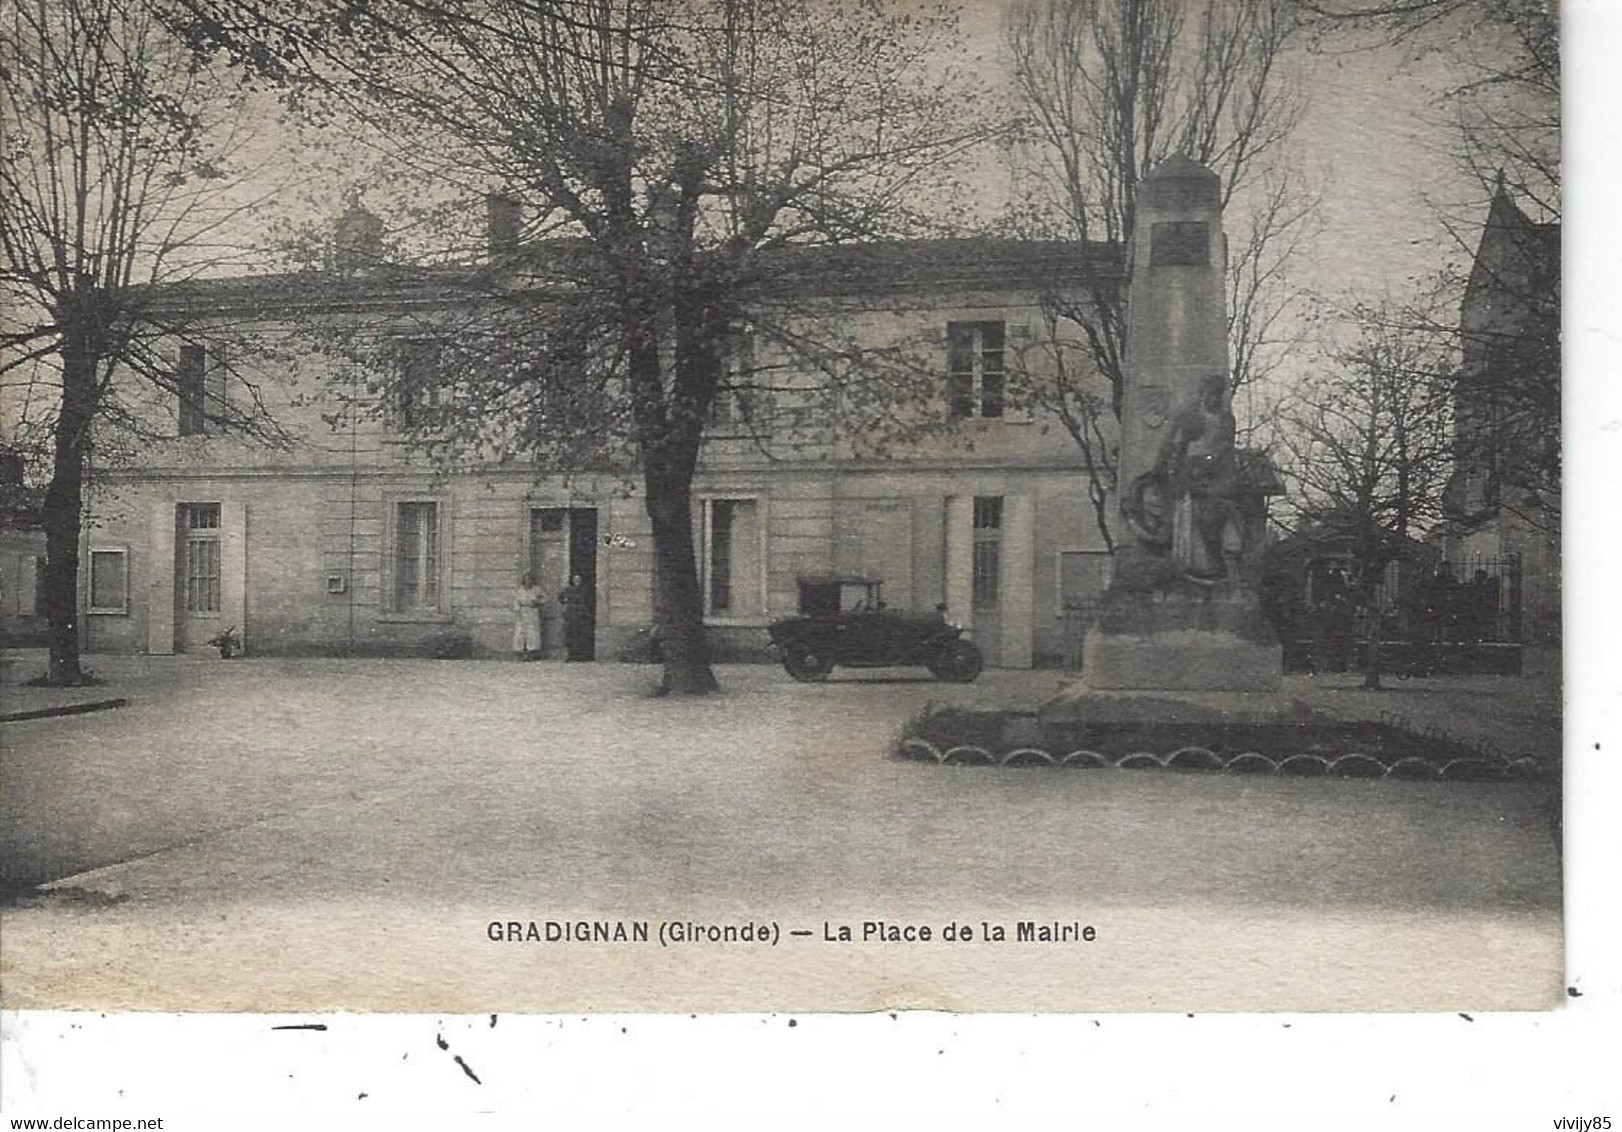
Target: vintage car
845, 622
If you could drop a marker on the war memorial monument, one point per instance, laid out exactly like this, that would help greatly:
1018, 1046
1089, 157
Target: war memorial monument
1180, 668
1181, 613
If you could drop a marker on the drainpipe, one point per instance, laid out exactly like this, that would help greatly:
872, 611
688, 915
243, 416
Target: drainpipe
354, 492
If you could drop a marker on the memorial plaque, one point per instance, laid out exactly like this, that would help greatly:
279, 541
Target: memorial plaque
1180, 243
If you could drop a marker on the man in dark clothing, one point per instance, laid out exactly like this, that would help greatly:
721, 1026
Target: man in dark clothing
577, 628
1441, 605
1340, 621
1483, 605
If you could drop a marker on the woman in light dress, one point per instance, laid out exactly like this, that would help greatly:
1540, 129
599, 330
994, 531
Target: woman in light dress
527, 600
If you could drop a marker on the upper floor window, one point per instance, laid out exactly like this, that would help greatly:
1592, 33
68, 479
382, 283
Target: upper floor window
569, 396
742, 405
975, 373
200, 389
418, 380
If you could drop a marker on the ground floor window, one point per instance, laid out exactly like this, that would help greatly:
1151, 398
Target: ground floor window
109, 580
1083, 576
733, 566
416, 556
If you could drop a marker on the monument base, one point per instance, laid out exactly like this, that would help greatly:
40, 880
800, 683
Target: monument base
1160, 710
1181, 660
1160, 643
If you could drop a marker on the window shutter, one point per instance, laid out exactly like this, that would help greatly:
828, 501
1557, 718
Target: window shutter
1019, 410
31, 586
215, 402
1018, 407
191, 388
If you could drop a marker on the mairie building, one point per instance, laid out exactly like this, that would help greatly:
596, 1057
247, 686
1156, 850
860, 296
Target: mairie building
348, 540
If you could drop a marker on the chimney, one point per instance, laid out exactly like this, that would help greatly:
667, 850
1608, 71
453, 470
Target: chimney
504, 219
357, 238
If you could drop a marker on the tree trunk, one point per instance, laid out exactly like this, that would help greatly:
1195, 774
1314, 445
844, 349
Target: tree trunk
64, 501
678, 603
669, 457
1372, 658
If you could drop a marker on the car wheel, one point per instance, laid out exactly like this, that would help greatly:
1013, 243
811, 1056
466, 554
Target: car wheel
806, 664
960, 662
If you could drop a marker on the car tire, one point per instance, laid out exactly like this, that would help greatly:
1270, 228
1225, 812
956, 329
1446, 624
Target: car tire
806, 665
958, 662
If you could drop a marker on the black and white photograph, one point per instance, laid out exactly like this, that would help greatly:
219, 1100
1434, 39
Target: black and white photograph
913, 508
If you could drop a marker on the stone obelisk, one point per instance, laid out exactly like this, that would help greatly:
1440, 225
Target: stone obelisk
1180, 613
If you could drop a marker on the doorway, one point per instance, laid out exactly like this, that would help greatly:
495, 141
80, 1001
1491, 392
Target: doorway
197, 575
563, 545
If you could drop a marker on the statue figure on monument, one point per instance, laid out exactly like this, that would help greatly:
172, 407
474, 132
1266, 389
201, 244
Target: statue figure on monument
1185, 507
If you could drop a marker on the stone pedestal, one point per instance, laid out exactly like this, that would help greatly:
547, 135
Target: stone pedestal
1152, 642
1160, 708
1189, 660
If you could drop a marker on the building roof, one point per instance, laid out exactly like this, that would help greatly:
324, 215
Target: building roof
1515, 251
961, 263
1258, 473
876, 267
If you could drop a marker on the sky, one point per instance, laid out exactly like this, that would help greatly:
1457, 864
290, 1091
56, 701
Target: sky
1372, 140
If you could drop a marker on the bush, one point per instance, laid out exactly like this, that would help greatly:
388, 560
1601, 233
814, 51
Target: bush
642, 647
451, 646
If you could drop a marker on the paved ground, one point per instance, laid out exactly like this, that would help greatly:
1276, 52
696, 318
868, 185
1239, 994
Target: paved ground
280, 834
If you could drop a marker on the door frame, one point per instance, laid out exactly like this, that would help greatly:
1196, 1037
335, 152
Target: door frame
574, 545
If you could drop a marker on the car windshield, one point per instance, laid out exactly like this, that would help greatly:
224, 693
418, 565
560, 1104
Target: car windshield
859, 597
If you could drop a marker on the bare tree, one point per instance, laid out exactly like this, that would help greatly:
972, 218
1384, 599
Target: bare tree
115, 177
1109, 89
1366, 448
674, 146
1500, 62
1503, 90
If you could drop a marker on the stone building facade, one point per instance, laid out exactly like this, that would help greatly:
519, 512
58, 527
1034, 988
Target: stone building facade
348, 540
1504, 496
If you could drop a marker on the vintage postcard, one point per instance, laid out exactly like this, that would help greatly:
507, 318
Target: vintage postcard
738, 505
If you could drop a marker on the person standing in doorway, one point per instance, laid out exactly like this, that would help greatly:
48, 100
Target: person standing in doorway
527, 600
576, 619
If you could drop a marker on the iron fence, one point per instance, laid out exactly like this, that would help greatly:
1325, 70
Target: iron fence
1476, 599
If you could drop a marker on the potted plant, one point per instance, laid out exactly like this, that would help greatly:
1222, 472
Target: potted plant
227, 642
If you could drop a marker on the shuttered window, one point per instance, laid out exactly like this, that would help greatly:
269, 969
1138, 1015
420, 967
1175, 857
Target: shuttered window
976, 372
